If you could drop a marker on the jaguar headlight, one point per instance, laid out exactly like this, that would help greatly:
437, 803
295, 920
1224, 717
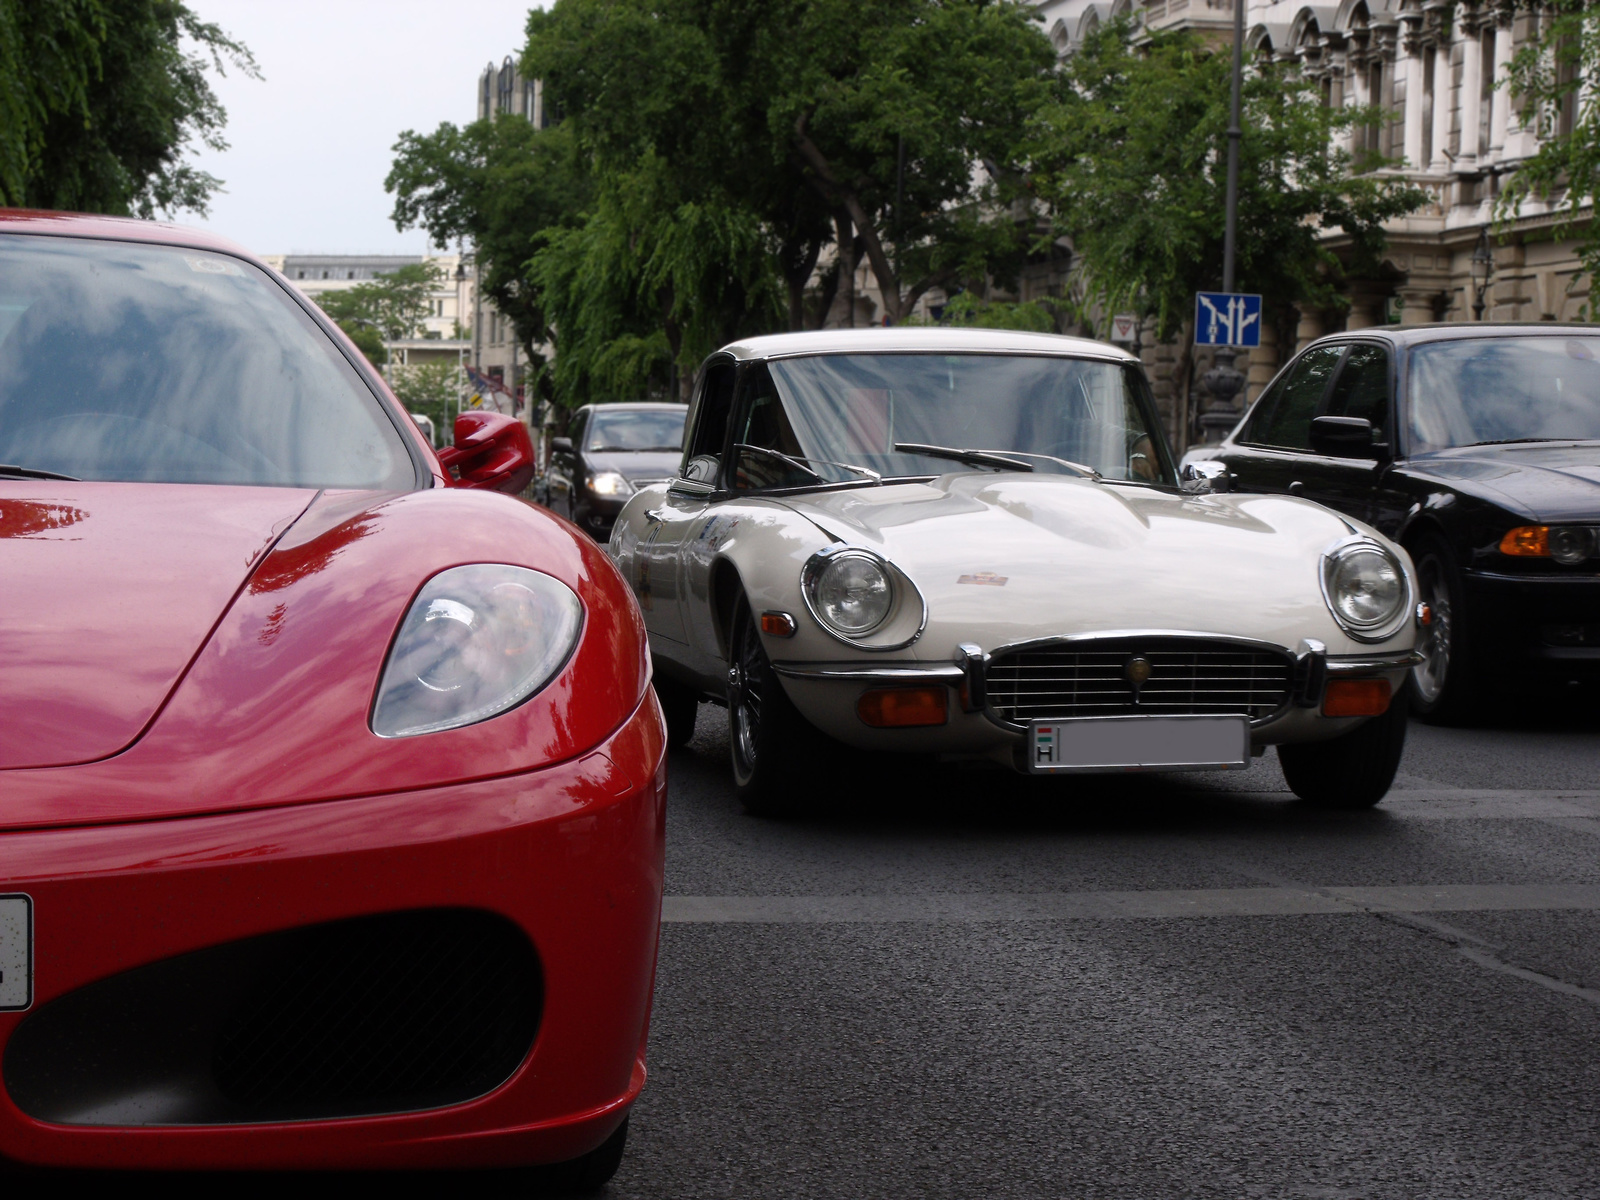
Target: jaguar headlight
1366, 589
476, 641
849, 591
609, 483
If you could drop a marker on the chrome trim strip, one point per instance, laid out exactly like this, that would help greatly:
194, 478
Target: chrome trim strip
973, 664
1364, 663
872, 672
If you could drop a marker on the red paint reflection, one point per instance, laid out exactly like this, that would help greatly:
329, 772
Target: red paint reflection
284, 567
31, 518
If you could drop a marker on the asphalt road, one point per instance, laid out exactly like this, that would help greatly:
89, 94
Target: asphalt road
950, 983
953, 983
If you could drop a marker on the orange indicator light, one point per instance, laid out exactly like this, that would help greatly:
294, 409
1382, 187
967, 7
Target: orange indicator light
1527, 541
778, 624
891, 708
1356, 698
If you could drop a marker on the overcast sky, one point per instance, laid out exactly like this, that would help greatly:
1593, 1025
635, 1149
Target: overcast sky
310, 143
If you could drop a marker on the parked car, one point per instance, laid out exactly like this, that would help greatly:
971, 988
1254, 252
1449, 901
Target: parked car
333, 786
610, 452
1477, 447
973, 544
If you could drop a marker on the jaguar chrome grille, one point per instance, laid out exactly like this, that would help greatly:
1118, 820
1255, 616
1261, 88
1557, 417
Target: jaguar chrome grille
1183, 677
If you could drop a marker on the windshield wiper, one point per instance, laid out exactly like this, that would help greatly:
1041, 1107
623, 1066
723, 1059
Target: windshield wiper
13, 472
975, 458
1518, 441
1086, 472
800, 463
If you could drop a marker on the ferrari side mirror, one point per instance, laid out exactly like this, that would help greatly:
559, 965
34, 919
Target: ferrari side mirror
1342, 437
491, 451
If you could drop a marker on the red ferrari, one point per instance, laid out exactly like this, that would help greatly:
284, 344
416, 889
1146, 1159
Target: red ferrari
331, 782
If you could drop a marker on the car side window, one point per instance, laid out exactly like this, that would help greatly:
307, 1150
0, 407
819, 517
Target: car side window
708, 433
580, 422
761, 423
1362, 389
1300, 396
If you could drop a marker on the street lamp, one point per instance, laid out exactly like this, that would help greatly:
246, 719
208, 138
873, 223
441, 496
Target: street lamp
1482, 271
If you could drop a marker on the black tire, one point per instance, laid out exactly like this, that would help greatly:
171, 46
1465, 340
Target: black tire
587, 1175
680, 705
1444, 688
1353, 770
772, 747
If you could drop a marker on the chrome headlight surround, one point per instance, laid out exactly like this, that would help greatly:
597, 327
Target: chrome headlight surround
1348, 554
833, 559
476, 641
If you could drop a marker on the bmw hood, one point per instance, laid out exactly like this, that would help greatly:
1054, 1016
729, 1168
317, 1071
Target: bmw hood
1558, 482
636, 466
1027, 556
107, 592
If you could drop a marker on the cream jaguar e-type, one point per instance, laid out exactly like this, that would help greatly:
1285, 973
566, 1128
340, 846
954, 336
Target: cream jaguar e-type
973, 544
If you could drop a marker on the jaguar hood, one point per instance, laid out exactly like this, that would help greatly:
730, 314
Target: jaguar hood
1028, 556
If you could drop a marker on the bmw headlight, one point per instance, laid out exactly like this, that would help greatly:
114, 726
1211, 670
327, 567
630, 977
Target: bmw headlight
849, 591
1366, 589
476, 641
609, 483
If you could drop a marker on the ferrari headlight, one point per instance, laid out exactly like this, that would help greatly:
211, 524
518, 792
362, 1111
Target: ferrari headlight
476, 641
1366, 589
609, 483
849, 591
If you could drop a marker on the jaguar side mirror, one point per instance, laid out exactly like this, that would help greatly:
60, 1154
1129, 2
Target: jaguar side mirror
1343, 437
1203, 476
491, 451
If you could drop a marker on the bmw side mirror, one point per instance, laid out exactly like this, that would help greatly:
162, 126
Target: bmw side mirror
561, 445
1343, 437
491, 451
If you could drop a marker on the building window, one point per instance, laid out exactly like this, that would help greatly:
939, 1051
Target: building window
324, 274
1428, 59
300, 275
1486, 96
1374, 134
350, 275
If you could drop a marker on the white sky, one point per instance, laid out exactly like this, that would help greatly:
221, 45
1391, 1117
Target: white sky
310, 143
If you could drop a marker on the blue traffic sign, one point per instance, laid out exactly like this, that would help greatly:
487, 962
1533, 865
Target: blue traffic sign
1227, 319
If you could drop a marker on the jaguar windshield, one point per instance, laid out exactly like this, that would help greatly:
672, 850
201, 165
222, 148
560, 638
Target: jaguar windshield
124, 361
852, 417
1477, 392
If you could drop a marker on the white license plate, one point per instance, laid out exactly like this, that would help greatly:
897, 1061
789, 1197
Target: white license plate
1139, 744
16, 952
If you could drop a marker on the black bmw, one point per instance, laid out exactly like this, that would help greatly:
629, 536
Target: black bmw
1477, 447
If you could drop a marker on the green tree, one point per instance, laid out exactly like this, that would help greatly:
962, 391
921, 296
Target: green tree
432, 389
1131, 157
393, 306
1548, 78
501, 185
100, 100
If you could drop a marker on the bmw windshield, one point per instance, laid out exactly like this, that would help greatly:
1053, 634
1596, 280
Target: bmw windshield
127, 361
835, 418
1490, 391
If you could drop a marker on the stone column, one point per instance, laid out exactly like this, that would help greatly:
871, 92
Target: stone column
1411, 149
1310, 327
1417, 303
1366, 307
1441, 104
1471, 95
1499, 98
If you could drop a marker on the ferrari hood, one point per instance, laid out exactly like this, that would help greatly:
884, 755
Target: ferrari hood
107, 591
1028, 556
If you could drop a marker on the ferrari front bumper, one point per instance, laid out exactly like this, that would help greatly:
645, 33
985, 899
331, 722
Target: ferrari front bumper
570, 855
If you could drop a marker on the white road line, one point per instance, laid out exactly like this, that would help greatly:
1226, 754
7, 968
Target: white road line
1136, 905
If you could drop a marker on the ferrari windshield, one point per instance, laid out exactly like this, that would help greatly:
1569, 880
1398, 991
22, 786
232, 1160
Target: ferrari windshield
124, 361
843, 415
637, 429
1475, 392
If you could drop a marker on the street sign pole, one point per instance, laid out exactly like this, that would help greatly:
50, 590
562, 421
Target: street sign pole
1223, 380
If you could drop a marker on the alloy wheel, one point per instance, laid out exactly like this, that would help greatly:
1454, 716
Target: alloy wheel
1430, 676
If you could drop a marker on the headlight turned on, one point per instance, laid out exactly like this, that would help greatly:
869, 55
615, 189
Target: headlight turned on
1366, 589
849, 591
477, 640
609, 483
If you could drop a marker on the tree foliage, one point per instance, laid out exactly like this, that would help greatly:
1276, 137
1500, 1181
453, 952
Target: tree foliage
432, 389
101, 99
1548, 76
1132, 158
395, 305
